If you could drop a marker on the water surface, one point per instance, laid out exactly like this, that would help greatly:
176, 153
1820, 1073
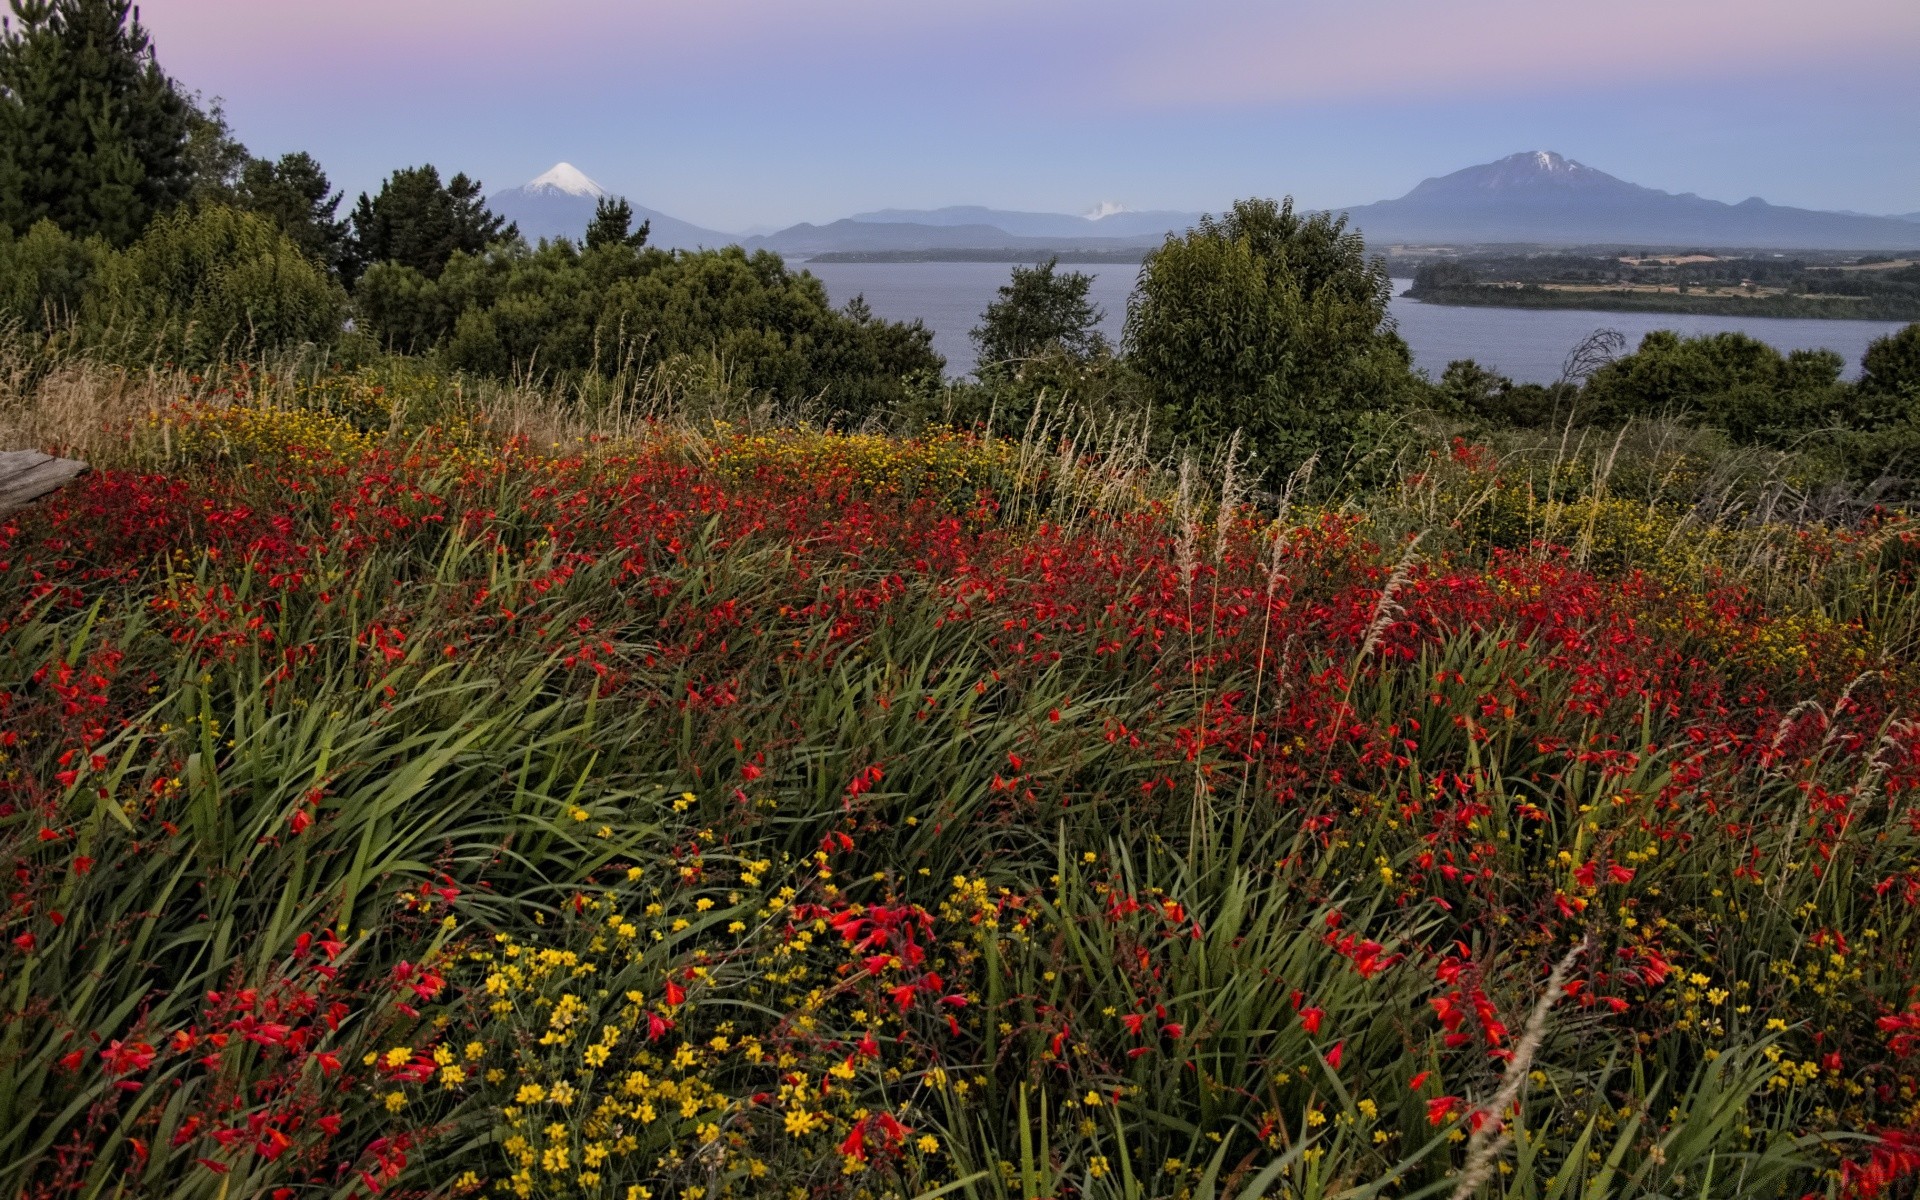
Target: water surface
1527, 344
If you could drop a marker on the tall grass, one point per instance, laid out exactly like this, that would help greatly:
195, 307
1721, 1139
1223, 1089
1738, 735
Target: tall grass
444, 789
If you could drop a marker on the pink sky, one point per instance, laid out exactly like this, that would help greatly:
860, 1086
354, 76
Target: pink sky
859, 103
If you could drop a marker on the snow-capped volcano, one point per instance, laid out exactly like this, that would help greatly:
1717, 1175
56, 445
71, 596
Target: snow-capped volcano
566, 179
1541, 197
560, 203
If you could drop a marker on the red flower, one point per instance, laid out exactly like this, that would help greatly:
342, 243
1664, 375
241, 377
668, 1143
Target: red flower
1310, 1019
1440, 1108
125, 1058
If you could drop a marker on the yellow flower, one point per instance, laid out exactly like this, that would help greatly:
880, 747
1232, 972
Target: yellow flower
1097, 1166
396, 1101
399, 1055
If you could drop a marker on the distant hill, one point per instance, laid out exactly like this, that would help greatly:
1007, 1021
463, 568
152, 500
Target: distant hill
560, 204
850, 235
1541, 197
1114, 223
1538, 197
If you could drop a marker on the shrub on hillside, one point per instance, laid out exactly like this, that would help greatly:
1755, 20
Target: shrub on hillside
211, 283
620, 310
44, 276
1727, 380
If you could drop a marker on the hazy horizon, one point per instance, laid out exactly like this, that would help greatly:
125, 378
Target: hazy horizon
749, 114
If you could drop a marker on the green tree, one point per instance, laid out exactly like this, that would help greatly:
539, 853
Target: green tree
1271, 323
612, 220
295, 195
215, 158
419, 222
1039, 311
93, 135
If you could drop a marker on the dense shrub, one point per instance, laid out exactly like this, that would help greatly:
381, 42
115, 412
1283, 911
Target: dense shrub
211, 283
1727, 380
561, 311
45, 276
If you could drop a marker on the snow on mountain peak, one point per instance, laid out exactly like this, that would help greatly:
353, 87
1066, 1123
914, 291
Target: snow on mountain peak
1106, 208
565, 177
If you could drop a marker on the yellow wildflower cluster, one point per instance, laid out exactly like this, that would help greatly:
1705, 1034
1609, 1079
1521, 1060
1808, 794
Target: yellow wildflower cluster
705, 1028
945, 463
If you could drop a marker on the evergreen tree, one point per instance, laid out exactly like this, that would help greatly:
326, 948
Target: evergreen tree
612, 218
93, 135
419, 222
295, 195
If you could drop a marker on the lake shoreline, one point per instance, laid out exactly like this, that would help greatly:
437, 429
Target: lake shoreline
1526, 345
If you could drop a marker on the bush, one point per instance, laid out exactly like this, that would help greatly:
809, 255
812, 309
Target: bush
1890, 377
1270, 323
1727, 380
618, 310
44, 276
211, 283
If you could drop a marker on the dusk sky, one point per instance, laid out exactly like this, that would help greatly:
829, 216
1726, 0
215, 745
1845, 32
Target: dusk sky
759, 113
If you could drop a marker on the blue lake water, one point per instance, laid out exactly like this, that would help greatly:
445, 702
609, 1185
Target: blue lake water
1529, 345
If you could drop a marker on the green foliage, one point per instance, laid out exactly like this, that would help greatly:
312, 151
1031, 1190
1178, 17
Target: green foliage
1038, 312
612, 221
44, 276
617, 310
93, 135
1691, 283
214, 282
215, 158
418, 222
1727, 380
1890, 374
1468, 389
1270, 323
296, 196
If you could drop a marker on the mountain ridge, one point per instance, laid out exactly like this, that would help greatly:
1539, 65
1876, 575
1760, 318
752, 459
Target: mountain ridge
560, 203
1535, 197
1541, 197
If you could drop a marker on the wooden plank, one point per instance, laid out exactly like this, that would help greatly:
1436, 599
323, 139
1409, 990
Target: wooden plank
27, 475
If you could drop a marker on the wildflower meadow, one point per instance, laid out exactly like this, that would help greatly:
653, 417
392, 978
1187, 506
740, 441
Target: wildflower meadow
406, 796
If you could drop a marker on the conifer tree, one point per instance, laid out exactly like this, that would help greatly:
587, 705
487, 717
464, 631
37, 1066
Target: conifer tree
418, 222
612, 219
295, 195
93, 134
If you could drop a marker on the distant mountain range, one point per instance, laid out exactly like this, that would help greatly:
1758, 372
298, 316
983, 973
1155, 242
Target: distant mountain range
1541, 197
1533, 198
1110, 221
560, 204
